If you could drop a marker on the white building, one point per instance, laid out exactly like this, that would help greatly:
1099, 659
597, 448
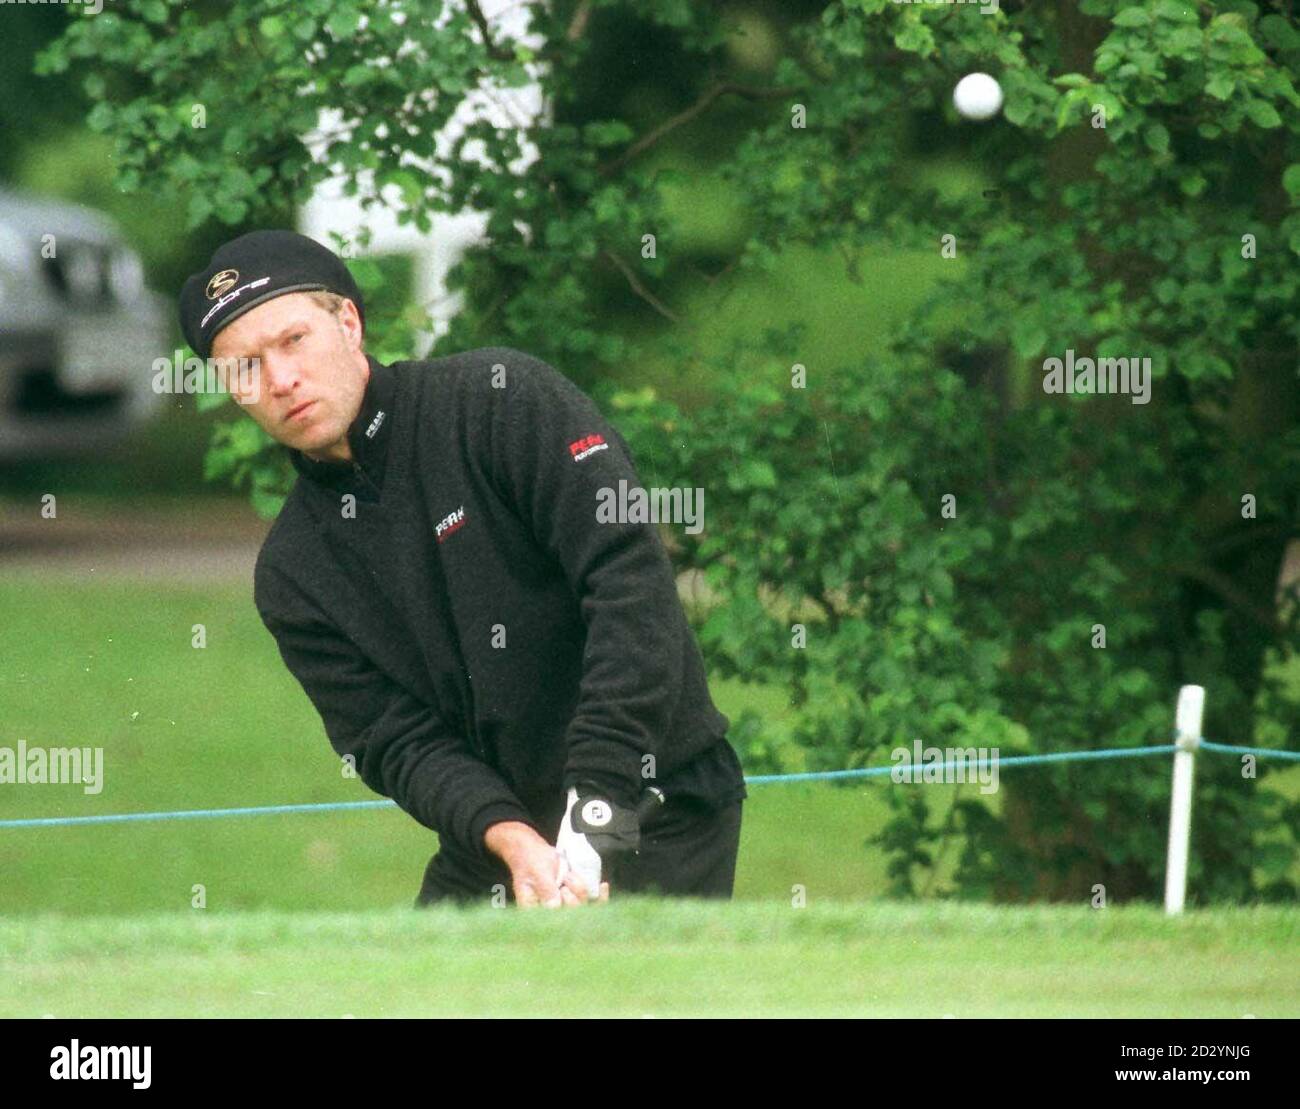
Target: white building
433, 254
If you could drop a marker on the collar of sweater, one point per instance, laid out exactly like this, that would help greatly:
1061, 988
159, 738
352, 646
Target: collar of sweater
367, 436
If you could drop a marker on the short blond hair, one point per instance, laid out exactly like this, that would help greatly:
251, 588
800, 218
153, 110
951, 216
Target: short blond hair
322, 298
331, 303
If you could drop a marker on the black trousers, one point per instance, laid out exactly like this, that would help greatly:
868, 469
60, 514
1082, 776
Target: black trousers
688, 849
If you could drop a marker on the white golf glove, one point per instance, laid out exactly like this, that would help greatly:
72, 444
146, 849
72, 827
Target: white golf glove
593, 829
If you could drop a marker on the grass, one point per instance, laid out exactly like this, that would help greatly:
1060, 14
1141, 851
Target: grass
646, 958
310, 914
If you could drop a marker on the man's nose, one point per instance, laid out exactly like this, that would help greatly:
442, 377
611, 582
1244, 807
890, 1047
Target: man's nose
278, 375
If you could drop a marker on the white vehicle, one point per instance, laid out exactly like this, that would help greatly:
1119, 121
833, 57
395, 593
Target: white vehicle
78, 331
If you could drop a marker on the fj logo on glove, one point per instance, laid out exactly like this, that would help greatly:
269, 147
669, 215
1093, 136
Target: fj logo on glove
596, 813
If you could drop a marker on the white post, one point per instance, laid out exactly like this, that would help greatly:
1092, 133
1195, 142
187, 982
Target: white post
1191, 707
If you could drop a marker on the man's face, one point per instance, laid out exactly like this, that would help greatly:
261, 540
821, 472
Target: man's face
312, 376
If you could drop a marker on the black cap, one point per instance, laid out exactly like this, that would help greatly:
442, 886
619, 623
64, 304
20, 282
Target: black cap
253, 269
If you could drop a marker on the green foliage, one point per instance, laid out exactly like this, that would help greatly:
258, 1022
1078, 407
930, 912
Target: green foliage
1149, 176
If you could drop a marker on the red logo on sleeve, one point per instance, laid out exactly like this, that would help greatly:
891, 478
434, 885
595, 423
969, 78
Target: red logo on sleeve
587, 445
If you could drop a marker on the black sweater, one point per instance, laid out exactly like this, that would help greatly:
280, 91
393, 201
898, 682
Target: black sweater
468, 631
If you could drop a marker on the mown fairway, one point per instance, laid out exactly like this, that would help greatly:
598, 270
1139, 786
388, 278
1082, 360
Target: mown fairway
644, 958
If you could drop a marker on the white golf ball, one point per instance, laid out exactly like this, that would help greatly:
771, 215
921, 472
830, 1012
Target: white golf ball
977, 96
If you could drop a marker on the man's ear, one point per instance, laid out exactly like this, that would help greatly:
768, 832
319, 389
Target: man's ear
350, 321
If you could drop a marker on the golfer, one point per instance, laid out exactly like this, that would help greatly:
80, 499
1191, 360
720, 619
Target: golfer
483, 645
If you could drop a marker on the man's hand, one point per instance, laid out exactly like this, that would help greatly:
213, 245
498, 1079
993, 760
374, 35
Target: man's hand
536, 870
594, 829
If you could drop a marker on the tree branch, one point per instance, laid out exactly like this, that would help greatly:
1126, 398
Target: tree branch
749, 92
501, 53
1223, 587
1250, 536
640, 290
578, 25
711, 278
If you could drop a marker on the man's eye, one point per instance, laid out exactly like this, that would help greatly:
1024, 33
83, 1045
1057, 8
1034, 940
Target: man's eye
296, 336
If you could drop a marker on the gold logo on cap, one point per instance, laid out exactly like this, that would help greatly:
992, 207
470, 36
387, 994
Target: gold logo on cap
221, 282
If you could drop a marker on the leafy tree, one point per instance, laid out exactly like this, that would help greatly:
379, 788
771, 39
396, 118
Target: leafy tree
1147, 178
